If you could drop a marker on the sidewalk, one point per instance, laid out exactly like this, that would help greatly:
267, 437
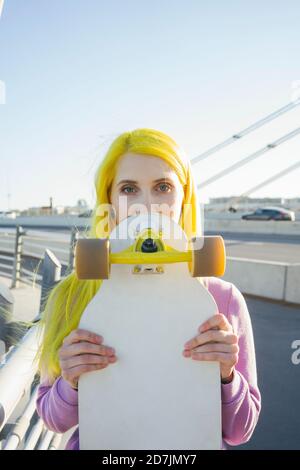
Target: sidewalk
26, 300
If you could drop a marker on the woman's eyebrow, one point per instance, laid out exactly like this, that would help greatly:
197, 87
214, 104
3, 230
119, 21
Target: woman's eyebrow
127, 181
164, 179
135, 182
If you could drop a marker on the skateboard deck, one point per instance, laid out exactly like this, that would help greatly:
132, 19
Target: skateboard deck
152, 397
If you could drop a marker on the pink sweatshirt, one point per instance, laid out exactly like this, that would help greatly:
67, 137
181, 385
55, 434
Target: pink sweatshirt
57, 405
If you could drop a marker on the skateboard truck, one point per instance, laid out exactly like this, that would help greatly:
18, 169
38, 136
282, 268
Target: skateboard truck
148, 241
148, 246
93, 258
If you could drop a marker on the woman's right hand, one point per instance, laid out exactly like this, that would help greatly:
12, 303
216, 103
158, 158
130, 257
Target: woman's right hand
82, 351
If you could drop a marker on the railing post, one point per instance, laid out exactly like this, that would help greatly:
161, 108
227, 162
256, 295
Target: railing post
51, 276
18, 256
73, 241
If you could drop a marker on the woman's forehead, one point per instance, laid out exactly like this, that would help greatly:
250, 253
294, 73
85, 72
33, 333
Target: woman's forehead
131, 164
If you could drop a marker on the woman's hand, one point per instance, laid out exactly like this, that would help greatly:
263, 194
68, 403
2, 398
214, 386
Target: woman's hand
82, 351
215, 342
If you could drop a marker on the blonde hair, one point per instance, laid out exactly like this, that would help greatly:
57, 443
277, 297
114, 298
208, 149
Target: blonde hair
67, 301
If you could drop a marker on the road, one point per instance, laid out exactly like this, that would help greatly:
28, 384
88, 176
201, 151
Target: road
280, 248
275, 327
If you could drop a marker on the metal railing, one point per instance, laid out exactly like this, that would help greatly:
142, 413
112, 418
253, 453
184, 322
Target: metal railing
22, 252
20, 425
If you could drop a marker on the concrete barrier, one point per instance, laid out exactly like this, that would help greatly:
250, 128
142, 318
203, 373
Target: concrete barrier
292, 290
262, 278
271, 280
270, 227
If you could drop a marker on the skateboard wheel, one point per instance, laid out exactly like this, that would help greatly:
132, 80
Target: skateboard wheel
210, 259
92, 258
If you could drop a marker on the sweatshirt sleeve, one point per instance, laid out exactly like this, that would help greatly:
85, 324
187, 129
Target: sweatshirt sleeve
241, 399
57, 405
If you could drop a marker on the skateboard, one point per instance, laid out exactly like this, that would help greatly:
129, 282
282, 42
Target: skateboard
151, 301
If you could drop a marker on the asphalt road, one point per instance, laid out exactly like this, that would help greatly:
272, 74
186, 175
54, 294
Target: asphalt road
280, 248
275, 327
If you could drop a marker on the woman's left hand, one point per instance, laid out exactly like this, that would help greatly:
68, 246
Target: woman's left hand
216, 341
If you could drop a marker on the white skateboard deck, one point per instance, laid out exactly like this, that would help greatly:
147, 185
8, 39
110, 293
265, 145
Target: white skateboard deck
152, 397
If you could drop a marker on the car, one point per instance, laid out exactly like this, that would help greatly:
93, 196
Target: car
270, 213
87, 213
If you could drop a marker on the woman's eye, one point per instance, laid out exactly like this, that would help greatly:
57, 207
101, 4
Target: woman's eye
128, 189
165, 188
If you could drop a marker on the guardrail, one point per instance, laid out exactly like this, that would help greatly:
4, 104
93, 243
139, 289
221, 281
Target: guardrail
18, 248
18, 393
20, 425
7, 241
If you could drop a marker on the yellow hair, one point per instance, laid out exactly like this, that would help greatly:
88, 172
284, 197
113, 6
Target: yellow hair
68, 299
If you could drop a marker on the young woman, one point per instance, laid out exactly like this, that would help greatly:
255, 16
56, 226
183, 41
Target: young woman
145, 168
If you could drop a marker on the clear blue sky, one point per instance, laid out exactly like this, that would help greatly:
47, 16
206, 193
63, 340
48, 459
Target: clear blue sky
78, 72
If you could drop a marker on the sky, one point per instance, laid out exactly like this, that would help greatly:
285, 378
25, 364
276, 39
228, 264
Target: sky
77, 73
